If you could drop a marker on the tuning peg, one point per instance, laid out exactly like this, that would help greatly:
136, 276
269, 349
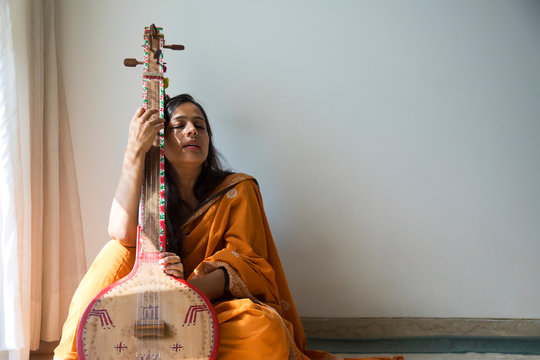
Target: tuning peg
132, 62
174, 47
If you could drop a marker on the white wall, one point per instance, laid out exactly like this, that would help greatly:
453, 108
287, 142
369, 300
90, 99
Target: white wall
397, 144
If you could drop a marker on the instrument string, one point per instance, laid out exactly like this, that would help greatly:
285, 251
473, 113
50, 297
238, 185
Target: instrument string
153, 294
148, 230
158, 183
152, 306
141, 251
160, 159
155, 176
152, 290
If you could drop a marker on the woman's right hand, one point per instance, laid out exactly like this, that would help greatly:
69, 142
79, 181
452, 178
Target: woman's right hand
143, 129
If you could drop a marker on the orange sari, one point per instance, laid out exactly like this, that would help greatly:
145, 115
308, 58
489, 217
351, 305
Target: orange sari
229, 231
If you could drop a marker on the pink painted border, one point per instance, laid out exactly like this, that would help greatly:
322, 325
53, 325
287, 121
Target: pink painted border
80, 327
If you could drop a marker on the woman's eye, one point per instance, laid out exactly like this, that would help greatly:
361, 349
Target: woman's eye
182, 126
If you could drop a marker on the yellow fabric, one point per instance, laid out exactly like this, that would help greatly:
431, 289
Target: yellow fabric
112, 263
245, 328
229, 231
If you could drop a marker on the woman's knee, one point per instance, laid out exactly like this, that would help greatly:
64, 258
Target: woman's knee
114, 258
113, 262
252, 331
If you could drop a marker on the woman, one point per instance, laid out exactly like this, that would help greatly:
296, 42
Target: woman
223, 246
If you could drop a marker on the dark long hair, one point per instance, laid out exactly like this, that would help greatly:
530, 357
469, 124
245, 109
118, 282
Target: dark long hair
212, 174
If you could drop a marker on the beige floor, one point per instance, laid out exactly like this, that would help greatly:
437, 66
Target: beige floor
470, 356
46, 353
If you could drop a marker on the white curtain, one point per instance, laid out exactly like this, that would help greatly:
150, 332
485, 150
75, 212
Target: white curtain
43, 250
11, 329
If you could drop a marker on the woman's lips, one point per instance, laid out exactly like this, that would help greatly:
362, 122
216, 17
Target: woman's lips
192, 145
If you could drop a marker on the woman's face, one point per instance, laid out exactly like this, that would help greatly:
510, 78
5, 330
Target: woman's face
186, 137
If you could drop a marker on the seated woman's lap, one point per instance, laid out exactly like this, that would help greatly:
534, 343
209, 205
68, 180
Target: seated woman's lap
251, 331
247, 330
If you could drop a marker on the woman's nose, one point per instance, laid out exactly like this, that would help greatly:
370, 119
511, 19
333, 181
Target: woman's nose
191, 130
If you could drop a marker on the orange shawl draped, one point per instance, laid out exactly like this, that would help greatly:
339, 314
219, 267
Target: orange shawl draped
231, 231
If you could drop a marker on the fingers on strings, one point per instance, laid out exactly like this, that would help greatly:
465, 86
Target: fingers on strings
171, 264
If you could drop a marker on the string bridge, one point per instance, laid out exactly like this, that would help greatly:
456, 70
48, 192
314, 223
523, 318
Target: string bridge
146, 328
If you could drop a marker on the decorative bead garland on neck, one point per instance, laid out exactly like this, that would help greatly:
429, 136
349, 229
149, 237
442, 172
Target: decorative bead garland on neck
156, 76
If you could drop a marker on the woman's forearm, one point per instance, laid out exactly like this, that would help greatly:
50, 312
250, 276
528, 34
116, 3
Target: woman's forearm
212, 285
124, 209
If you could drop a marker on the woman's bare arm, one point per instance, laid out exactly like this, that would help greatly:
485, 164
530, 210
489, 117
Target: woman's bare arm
212, 284
124, 210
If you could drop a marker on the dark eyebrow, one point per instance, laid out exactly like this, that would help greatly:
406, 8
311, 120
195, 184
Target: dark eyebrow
181, 117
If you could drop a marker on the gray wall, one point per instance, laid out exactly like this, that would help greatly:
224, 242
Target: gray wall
397, 143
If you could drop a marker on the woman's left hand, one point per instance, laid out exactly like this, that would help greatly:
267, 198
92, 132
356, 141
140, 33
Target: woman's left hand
171, 264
